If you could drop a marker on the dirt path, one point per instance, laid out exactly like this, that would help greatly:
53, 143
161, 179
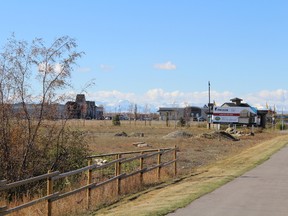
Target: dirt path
206, 179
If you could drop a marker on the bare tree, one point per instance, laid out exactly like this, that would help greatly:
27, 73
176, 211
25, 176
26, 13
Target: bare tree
31, 77
135, 114
130, 110
147, 112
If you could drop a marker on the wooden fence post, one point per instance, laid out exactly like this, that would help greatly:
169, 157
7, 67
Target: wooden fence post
141, 167
89, 181
159, 162
175, 158
116, 165
49, 192
118, 173
2, 184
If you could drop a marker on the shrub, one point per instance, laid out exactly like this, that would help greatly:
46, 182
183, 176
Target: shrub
116, 120
279, 126
181, 122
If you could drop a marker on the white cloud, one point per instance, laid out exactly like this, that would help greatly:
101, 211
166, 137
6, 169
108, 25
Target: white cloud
58, 68
276, 97
84, 69
165, 66
111, 96
160, 98
48, 68
105, 67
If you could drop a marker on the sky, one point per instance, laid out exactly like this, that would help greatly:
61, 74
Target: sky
164, 52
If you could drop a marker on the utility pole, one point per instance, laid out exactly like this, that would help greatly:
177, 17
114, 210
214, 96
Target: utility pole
209, 107
282, 122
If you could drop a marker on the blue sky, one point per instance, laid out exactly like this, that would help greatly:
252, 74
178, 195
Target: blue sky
164, 52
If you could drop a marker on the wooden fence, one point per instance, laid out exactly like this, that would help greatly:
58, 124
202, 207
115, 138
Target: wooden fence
116, 163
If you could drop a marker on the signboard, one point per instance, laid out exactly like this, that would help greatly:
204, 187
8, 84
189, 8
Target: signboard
231, 114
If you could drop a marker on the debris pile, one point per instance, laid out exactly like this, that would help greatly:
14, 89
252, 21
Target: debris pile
141, 144
218, 135
178, 134
238, 133
122, 134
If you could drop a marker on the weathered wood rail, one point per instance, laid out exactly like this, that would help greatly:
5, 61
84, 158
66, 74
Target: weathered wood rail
117, 162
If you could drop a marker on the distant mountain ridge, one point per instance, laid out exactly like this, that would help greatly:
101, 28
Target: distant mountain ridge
127, 106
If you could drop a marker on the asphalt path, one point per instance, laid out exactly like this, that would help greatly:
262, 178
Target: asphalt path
262, 191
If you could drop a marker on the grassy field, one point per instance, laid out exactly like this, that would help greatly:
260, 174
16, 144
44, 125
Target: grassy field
206, 160
170, 196
194, 151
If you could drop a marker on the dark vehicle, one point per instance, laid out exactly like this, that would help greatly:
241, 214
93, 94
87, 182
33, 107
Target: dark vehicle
201, 119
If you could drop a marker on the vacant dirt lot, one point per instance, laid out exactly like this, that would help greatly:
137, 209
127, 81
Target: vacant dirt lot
198, 146
170, 196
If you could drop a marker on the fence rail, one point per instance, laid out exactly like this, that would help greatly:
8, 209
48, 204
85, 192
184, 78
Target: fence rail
50, 177
128, 152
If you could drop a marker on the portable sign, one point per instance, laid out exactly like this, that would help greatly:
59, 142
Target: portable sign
231, 114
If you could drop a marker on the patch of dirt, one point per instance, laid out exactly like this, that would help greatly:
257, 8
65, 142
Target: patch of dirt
178, 134
137, 134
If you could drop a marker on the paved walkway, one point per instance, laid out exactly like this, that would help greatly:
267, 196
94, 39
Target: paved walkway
262, 191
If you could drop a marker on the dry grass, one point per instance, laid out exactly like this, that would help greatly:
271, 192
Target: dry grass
171, 196
195, 153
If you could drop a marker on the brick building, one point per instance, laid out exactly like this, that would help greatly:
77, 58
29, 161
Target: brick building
82, 109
